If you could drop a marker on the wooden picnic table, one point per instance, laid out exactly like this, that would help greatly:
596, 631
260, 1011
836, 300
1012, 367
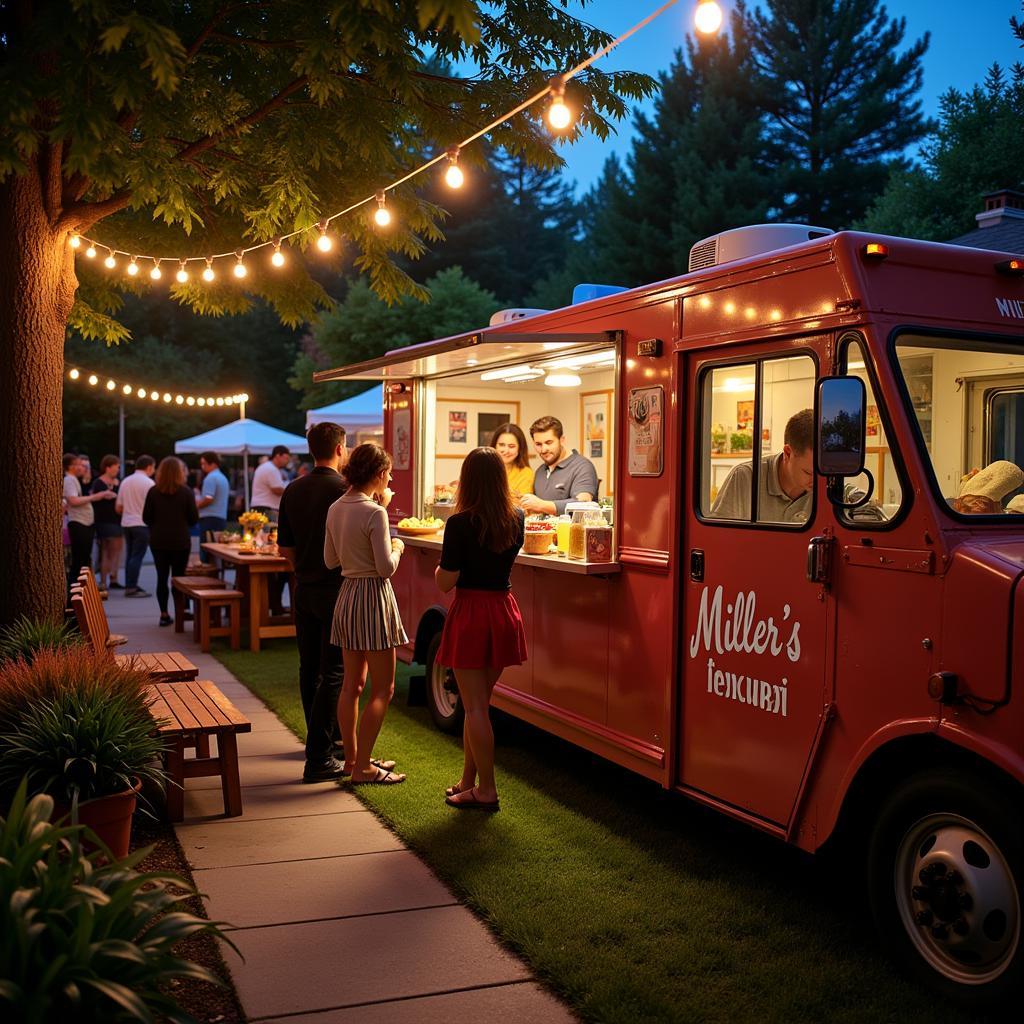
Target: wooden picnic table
252, 576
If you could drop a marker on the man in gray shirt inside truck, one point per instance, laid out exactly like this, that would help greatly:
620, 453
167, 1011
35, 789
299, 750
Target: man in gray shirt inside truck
784, 481
564, 477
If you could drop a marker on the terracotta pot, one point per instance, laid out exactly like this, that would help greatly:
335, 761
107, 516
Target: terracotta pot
110, 817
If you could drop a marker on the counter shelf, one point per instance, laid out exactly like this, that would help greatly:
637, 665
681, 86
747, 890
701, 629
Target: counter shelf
550, 562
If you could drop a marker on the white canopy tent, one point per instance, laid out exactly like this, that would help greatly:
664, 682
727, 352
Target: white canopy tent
360, 414
243, 437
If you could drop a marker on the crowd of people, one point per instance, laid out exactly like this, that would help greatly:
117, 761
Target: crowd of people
334, 531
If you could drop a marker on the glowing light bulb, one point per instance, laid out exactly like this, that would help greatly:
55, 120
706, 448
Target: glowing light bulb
133, 267
156, 273
110, 262
324, 243
382, 215
201, 401
209, 401
126, 390
559, 115
208, 274
179, 399
278, 258
91, 252
220, 401
708, 17
454, 178
141, 392
240, 270
74, 374
190, 400
111, 385
167, 397
155, 395
243, 398
75, 241
93, 379
182, 275
230, 400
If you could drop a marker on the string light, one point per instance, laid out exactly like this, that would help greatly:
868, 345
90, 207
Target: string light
559, 115
708, 18
156, 273
278, 258
91, 252
182, 275
454, 177
129, 390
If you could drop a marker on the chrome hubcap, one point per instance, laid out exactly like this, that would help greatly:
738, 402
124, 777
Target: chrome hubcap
957, 898
444, 690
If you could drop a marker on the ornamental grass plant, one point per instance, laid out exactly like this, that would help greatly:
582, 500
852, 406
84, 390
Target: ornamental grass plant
25, 638
76, 726
82, 938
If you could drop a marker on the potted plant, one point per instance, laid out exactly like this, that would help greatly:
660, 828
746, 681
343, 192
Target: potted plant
77, 727
741, 441
87, 939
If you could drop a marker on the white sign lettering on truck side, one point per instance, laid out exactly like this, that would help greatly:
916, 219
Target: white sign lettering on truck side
739, 630
1013, 308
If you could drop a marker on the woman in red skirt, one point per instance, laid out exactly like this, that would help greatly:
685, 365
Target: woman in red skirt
484, 630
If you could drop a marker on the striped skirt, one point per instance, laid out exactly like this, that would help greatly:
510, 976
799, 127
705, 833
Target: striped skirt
366, 616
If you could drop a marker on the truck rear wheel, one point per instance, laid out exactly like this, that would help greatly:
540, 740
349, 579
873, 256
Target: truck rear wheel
945, 875
442, 693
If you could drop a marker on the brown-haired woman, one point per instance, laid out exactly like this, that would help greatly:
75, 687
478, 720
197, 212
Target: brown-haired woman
367, 626
170, 513
484, 630
510, 443
109, 534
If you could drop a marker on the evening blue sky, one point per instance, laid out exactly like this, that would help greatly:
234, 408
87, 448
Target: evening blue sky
965, 39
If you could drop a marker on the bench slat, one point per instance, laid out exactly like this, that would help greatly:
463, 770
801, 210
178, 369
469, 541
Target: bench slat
182, 708
199, 698
230, 712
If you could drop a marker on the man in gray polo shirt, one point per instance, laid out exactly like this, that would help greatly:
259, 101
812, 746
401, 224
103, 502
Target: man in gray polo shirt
784, 482
564, 477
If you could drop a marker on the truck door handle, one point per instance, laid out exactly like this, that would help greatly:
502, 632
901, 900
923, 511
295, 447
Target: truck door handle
819, 560
697, 565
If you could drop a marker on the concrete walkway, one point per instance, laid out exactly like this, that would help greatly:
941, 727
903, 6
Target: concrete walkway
338, 922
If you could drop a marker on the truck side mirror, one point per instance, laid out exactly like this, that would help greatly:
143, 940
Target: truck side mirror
841, 422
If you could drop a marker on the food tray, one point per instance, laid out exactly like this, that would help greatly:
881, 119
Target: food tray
418, 531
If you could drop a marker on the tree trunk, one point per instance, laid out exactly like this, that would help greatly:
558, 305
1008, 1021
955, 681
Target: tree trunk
37, 283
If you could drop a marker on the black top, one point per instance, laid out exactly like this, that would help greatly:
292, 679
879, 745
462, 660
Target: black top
478, 567
169, 518
104, 510
302, 521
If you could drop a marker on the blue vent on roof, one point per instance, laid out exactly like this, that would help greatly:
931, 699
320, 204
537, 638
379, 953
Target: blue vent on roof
586, 292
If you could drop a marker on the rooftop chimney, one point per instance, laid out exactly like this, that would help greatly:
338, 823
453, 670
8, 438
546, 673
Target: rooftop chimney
1000, 207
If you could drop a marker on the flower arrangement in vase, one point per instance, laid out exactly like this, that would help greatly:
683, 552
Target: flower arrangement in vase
252, 524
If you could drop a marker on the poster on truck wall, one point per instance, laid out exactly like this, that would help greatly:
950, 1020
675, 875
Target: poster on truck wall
645, 442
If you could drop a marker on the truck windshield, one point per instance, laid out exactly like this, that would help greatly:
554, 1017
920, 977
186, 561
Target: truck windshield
968, 398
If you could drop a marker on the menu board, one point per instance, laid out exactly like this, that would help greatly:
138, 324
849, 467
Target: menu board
645, 440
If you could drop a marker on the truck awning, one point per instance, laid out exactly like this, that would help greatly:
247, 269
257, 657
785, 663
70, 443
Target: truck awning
474, 350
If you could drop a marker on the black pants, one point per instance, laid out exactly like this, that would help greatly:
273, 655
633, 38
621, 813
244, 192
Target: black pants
168, 563
82, 538
320, 667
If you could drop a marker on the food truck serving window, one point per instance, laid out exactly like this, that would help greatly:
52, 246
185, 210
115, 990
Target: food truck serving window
763, 408
967, 398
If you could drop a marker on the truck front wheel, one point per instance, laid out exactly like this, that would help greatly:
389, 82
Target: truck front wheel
442, 694
945, 874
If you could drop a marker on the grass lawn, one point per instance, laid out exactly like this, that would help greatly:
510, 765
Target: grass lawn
633, 904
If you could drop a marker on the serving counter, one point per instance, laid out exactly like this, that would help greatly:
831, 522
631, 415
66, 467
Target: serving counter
555, 563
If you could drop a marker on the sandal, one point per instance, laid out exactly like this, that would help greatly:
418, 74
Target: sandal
381, 778
473, 803
457, 788
386, 765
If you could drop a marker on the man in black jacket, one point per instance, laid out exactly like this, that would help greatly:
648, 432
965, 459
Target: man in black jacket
300, 537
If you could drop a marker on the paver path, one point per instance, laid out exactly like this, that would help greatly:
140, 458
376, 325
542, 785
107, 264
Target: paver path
338, 922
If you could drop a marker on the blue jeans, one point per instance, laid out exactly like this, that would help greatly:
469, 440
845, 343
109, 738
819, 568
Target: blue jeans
136, 540
209, 523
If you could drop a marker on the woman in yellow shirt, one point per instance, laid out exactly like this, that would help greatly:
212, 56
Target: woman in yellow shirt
510, 443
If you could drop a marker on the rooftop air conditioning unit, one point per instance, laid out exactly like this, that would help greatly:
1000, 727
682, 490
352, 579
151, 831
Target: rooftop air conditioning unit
741, 242
506, 316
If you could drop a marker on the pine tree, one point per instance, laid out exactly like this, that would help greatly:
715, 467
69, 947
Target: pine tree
841, 99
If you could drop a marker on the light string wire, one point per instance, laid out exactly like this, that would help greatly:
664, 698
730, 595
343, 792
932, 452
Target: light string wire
101, 382
555, 87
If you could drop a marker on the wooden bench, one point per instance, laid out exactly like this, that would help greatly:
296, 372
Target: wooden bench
209, 605
198, 708
167, 666
183, 589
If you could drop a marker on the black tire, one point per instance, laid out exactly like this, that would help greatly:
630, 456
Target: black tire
945, 880
443, 698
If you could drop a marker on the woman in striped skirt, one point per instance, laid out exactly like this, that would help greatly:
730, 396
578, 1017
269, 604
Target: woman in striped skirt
367, 626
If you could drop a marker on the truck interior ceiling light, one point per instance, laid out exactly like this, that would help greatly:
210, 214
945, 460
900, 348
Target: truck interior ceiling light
1015, 267
876, 251
521, 378
563, 379
507, 371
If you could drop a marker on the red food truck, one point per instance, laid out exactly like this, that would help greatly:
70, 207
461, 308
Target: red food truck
847, 664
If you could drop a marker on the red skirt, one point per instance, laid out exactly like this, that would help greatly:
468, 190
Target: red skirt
483, 630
